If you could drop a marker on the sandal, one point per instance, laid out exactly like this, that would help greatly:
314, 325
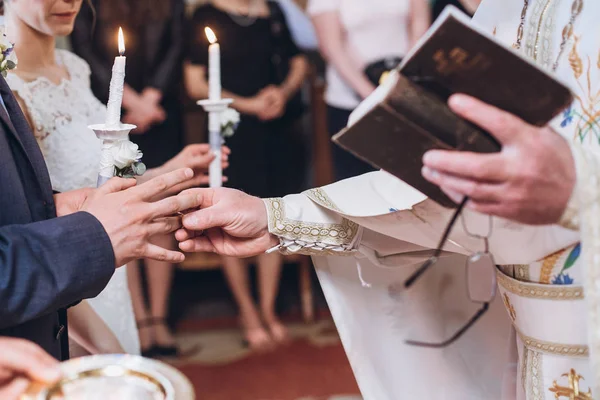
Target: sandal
157, 350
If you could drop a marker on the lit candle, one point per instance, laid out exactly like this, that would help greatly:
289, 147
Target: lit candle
214, 66
215, 172
115, 96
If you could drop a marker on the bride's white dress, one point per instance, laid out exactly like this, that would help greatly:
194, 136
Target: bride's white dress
61, 115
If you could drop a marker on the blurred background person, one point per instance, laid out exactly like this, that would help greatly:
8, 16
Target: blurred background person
154, 34
467, 6
301, 28
360, 40
262, 70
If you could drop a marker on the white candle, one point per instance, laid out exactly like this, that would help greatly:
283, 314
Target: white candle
117, 82
214, 66
215, 172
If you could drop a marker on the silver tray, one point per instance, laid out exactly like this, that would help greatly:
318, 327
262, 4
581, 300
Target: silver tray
115, 377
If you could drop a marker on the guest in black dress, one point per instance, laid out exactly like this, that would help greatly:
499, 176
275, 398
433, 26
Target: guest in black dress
154, 41
262, 70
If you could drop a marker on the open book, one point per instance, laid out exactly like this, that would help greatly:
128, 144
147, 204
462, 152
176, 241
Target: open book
408, 114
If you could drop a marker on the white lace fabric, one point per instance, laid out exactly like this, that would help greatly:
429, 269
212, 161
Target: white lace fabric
60, 115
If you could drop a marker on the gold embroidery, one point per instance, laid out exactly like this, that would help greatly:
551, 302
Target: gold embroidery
523, 273
548, 266
572, 392
318, 252
550, 292
539, 30
575, 60
524, 363
319, 196
536, 372
554, 348
588, 118
331, 234
509, 307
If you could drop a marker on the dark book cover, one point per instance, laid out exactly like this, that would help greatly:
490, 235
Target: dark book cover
409, 115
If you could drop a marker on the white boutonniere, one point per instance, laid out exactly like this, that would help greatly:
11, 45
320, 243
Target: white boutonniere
127, 159
8, 57
230, 119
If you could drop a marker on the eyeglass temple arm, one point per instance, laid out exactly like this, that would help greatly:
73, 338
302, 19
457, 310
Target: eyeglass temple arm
454, 337
438, 251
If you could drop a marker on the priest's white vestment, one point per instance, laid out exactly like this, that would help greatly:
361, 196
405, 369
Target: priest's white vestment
370, 232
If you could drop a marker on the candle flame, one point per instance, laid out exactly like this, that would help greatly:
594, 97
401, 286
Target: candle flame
210, 35
121, 42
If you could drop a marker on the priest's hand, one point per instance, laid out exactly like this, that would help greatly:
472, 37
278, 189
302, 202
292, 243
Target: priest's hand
131, 216
229, 222
530, 181
22, 362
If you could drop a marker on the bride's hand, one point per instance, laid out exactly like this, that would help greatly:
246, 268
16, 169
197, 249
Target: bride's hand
197, 157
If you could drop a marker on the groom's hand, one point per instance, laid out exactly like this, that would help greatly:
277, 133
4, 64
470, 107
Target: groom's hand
71, 202
131, 217
229, 222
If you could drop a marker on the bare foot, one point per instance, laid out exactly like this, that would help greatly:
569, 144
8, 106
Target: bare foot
279, 332
255, 335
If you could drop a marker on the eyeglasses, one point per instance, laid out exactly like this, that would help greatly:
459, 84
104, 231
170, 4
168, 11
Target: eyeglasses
480, 275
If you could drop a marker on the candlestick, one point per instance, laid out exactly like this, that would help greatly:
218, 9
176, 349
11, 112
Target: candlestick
109, 135
214, 66
215, 108
117, 82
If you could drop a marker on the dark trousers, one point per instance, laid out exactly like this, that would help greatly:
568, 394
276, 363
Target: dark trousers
345, 165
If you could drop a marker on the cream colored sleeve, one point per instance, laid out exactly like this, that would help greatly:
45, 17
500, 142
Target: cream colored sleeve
585, 201
306, 228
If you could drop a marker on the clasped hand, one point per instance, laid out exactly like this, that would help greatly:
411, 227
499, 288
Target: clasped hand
530, 181
269, 104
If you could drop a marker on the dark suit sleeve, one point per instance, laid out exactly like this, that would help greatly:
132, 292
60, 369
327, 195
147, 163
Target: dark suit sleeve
48, 265
82, 40
169, 70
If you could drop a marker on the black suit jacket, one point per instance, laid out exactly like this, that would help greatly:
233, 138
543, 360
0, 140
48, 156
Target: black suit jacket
46, 263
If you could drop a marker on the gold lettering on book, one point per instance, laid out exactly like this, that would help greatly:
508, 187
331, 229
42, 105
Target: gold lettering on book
458, 60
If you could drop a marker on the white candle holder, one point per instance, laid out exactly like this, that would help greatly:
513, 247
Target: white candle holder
215, 108
109, 135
